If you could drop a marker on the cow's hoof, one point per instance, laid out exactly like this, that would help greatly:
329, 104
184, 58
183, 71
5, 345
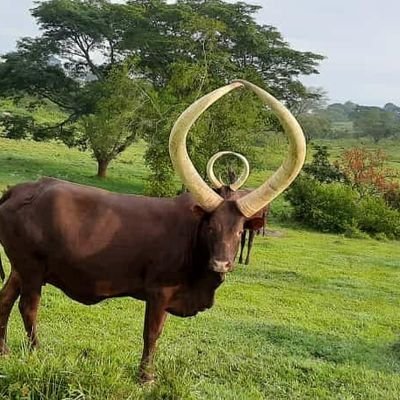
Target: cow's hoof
4, 350
146, 377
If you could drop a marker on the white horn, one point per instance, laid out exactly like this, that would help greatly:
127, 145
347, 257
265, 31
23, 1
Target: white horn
291, 166
207, 198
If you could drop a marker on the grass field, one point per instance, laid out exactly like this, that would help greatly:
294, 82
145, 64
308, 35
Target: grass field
313, 317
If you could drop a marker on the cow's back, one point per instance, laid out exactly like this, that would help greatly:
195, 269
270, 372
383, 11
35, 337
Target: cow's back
94, 243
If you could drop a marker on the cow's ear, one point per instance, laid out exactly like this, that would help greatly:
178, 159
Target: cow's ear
254, 224
198, 211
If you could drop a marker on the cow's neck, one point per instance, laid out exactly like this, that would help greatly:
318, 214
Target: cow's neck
197, 294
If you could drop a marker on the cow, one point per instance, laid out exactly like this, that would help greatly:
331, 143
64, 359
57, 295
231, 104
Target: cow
231, 191
171, 253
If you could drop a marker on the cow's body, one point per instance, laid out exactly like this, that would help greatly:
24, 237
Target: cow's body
94, 244
80, 241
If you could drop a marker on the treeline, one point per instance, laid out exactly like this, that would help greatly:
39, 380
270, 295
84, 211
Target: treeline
119, 72
347, 120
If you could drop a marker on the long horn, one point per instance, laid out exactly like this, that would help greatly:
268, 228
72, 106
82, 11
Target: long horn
291, 166
217, 183
206, 197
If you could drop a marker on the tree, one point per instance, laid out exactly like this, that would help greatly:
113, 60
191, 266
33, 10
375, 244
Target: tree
321, 169
204, 45
80, 44
119, 117
230, 124
375, 122
315, 126
184, 49
310, 100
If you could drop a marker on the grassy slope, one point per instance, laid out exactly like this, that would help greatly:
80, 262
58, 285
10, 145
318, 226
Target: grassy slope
314, 317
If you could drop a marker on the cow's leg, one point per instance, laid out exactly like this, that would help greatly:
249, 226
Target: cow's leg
250, 245
155, 316
28, 307
242, 245
8, 295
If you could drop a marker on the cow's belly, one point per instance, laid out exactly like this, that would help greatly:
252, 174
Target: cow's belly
90, 284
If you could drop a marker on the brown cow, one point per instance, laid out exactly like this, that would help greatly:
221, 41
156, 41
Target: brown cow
172, 253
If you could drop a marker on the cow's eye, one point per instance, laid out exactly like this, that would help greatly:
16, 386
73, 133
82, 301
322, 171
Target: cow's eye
240, 233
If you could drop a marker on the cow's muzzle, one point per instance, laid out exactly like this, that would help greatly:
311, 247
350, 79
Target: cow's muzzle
221, 266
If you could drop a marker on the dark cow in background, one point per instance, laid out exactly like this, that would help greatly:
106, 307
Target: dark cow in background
172, 253
231, 191
251, 234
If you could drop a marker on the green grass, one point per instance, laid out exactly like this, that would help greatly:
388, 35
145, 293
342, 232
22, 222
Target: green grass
313, 317
26, 160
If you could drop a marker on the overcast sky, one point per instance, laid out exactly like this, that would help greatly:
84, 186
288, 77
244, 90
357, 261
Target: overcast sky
360, 38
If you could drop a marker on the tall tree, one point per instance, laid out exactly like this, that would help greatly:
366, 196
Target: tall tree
184, 49
118, 118
202, 45
81, 42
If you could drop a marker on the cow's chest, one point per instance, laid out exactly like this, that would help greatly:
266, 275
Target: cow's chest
190, 299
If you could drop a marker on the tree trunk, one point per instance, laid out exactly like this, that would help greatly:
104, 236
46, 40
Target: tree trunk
102, 166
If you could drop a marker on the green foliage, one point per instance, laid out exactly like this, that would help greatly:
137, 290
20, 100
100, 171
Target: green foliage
375, 217
321, 168
325, 207
315, 126
336, 207
340, 112
16, 126
392, 198
119, 117
25, 117
375, 122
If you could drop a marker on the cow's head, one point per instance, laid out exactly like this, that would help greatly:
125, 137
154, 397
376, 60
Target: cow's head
223, 220
220, 233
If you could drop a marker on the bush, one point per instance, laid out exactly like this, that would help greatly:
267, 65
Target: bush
281, 210
338, 208
321, 168
392, 198
375, 217
326, 207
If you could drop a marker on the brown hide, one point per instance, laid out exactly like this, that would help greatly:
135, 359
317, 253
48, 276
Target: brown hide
94, 244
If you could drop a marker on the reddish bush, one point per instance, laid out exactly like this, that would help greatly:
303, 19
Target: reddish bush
365, 170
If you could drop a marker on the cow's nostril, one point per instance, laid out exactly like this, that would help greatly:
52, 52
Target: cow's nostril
221, 266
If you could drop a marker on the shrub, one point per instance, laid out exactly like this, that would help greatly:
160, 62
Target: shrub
365, 170
375, 217
326, 207
338, 208
321, 168
392, 198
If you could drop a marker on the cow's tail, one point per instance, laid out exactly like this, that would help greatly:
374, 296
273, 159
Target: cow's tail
4, 197
2, 274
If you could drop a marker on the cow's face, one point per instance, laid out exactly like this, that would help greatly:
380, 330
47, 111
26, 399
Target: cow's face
220, 232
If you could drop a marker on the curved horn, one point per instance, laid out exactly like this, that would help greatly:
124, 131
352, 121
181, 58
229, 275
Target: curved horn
217, 183
291, 166
243, 176
207, 198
